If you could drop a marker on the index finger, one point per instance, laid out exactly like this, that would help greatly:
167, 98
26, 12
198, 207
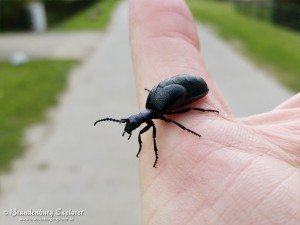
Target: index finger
164, 43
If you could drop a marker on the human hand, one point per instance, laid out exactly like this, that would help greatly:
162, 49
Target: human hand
241, 171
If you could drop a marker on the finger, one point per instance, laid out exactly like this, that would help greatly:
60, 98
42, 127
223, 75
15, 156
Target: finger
164, 43
286, 111
293, 102
281, 127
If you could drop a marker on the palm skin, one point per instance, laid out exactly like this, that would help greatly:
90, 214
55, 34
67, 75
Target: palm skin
241, 171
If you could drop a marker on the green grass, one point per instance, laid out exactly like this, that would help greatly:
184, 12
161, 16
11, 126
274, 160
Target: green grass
25, 93
96, 16
276, 48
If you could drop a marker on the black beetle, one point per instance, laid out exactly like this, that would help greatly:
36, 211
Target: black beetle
163, 99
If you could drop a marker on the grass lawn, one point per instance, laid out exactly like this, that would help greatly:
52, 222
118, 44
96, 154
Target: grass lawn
96, 16
25, 93
273, 47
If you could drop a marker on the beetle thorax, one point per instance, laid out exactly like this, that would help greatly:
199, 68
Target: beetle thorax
134, 121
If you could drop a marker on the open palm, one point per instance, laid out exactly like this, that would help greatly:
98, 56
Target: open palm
242, 171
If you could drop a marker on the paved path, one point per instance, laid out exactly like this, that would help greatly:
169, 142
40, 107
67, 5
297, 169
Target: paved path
73, 165
76, 45
247, 88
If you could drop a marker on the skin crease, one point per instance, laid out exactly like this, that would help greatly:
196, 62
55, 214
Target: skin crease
241, 171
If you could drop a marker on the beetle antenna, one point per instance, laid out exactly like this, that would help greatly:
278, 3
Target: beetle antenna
111, 119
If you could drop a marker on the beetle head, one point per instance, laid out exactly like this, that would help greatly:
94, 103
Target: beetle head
131, 124
127, 128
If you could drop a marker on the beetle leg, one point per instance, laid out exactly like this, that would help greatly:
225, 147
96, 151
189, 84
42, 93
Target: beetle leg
189, 109
140, 139
179, 125
154, 142
146, 89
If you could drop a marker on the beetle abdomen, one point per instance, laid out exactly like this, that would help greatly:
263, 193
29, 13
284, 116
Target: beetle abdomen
175, 92
195, 86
